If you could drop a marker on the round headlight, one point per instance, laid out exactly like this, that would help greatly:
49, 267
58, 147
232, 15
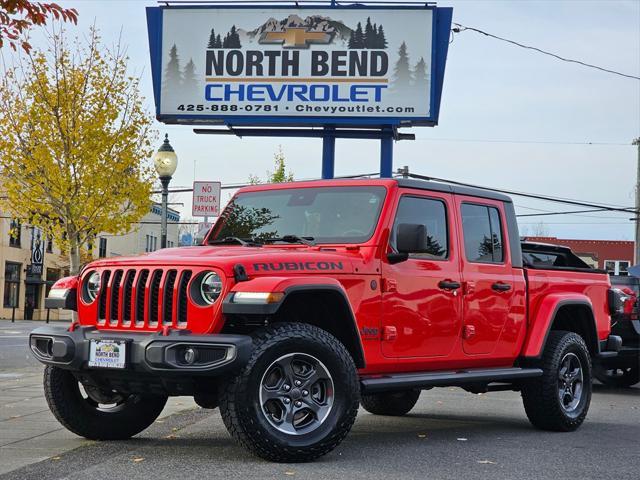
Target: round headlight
92, 287
211, 287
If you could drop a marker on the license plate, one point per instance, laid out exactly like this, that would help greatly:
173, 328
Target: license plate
108, 353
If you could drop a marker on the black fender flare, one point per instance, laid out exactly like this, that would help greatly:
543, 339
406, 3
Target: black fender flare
351, 338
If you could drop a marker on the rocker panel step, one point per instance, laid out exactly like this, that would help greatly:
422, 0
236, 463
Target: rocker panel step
445, 379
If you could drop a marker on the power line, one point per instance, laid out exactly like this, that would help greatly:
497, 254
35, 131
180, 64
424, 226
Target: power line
573, 212
534, 142
461, 28
578, 203
234, 186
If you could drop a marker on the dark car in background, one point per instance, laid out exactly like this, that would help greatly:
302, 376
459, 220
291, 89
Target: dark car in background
623, 370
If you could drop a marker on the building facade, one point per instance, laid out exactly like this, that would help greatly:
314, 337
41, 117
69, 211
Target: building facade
143, 238
30, 264
614, 256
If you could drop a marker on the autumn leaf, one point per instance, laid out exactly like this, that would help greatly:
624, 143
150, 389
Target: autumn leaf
18, 16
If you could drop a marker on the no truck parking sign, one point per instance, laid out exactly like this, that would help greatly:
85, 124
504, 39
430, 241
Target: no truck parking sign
298, 65
206, 199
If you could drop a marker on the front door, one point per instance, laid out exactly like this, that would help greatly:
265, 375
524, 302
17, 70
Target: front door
489, 283
30, 300
422, 302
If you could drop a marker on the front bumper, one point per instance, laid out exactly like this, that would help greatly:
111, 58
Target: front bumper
150, 354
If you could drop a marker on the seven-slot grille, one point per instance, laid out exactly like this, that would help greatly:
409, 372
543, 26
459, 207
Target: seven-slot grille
144, 298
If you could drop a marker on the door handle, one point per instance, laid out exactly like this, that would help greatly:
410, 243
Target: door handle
449, 285
501, 287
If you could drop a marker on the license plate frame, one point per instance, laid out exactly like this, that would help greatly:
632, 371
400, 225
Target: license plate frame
108, 353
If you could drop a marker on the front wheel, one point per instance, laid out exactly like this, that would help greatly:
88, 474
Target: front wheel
560, 398
297, 397
98, 414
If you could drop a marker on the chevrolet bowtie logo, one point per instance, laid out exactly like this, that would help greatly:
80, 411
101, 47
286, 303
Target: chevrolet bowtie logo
296, 37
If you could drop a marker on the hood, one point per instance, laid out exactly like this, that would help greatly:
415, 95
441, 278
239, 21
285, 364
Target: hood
256, 260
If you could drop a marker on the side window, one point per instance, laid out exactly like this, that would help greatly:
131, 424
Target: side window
482, 233
432, 214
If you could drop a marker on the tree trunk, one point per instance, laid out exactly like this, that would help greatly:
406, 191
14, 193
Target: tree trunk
74, 264
74, 258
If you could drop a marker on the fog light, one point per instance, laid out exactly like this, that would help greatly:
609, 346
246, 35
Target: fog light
190, 356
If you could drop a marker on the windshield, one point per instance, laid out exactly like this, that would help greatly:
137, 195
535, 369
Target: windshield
323, 214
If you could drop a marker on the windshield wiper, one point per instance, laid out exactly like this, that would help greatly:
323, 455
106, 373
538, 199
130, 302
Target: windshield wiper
292, 239
244, 243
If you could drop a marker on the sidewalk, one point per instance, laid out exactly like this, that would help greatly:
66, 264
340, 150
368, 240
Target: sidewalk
28, 431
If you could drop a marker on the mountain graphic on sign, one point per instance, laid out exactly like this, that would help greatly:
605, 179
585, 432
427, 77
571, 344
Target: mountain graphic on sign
312, 23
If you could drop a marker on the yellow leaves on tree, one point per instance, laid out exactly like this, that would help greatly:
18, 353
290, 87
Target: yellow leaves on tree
75, 140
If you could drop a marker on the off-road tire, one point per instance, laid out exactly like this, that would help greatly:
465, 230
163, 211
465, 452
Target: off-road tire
207, 400
74, 412
541, 395
394, 404
629, 377
241, 408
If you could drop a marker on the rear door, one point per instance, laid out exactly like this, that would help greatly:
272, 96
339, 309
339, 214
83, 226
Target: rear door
424, 311
488, 278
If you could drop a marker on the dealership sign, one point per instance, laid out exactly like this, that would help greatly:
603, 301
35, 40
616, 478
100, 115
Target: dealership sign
248, 65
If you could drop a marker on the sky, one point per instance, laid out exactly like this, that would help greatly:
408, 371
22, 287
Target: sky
510, 118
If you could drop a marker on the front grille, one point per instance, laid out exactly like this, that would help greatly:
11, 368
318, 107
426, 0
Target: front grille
102, 305
115, 298
154, 296
144, 298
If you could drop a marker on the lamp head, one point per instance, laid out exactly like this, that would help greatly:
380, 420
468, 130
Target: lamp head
165, 159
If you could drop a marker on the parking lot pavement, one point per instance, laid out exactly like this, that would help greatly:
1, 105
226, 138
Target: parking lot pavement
450, 434
28, 431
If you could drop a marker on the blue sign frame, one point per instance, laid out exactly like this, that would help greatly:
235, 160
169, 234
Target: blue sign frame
442, 18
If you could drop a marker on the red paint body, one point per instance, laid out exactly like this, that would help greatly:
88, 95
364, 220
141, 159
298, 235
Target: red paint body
427, 328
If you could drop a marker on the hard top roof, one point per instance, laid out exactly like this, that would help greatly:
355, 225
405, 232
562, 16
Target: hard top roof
447, 187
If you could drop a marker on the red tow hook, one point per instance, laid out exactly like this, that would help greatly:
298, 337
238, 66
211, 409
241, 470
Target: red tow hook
73, 327
166, 330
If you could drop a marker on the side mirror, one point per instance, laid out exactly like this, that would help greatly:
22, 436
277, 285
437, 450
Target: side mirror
410, 237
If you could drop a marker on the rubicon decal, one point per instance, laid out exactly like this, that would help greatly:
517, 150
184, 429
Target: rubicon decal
290, 62
293, 266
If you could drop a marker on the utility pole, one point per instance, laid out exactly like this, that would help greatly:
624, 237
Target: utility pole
636, 142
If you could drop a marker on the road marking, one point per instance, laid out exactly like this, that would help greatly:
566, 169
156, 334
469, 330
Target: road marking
14, 336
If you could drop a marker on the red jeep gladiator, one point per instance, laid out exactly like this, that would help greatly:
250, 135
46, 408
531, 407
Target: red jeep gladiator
307, 299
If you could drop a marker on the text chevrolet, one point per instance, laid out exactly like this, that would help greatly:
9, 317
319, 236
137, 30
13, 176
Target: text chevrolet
307, 299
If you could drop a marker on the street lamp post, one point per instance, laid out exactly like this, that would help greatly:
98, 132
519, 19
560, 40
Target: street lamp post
166, 162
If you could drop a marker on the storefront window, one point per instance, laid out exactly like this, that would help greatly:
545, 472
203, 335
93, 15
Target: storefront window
53, 274
11, 284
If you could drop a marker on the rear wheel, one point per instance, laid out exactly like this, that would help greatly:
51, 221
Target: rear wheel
95, 413
297, 397
560, 398
617, 377
391, 403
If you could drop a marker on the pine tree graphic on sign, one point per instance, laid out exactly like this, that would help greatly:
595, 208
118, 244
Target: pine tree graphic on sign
212, 39
172, 75
369, 35
372, 37
189, 79
382, 40
402, 76
420, 76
